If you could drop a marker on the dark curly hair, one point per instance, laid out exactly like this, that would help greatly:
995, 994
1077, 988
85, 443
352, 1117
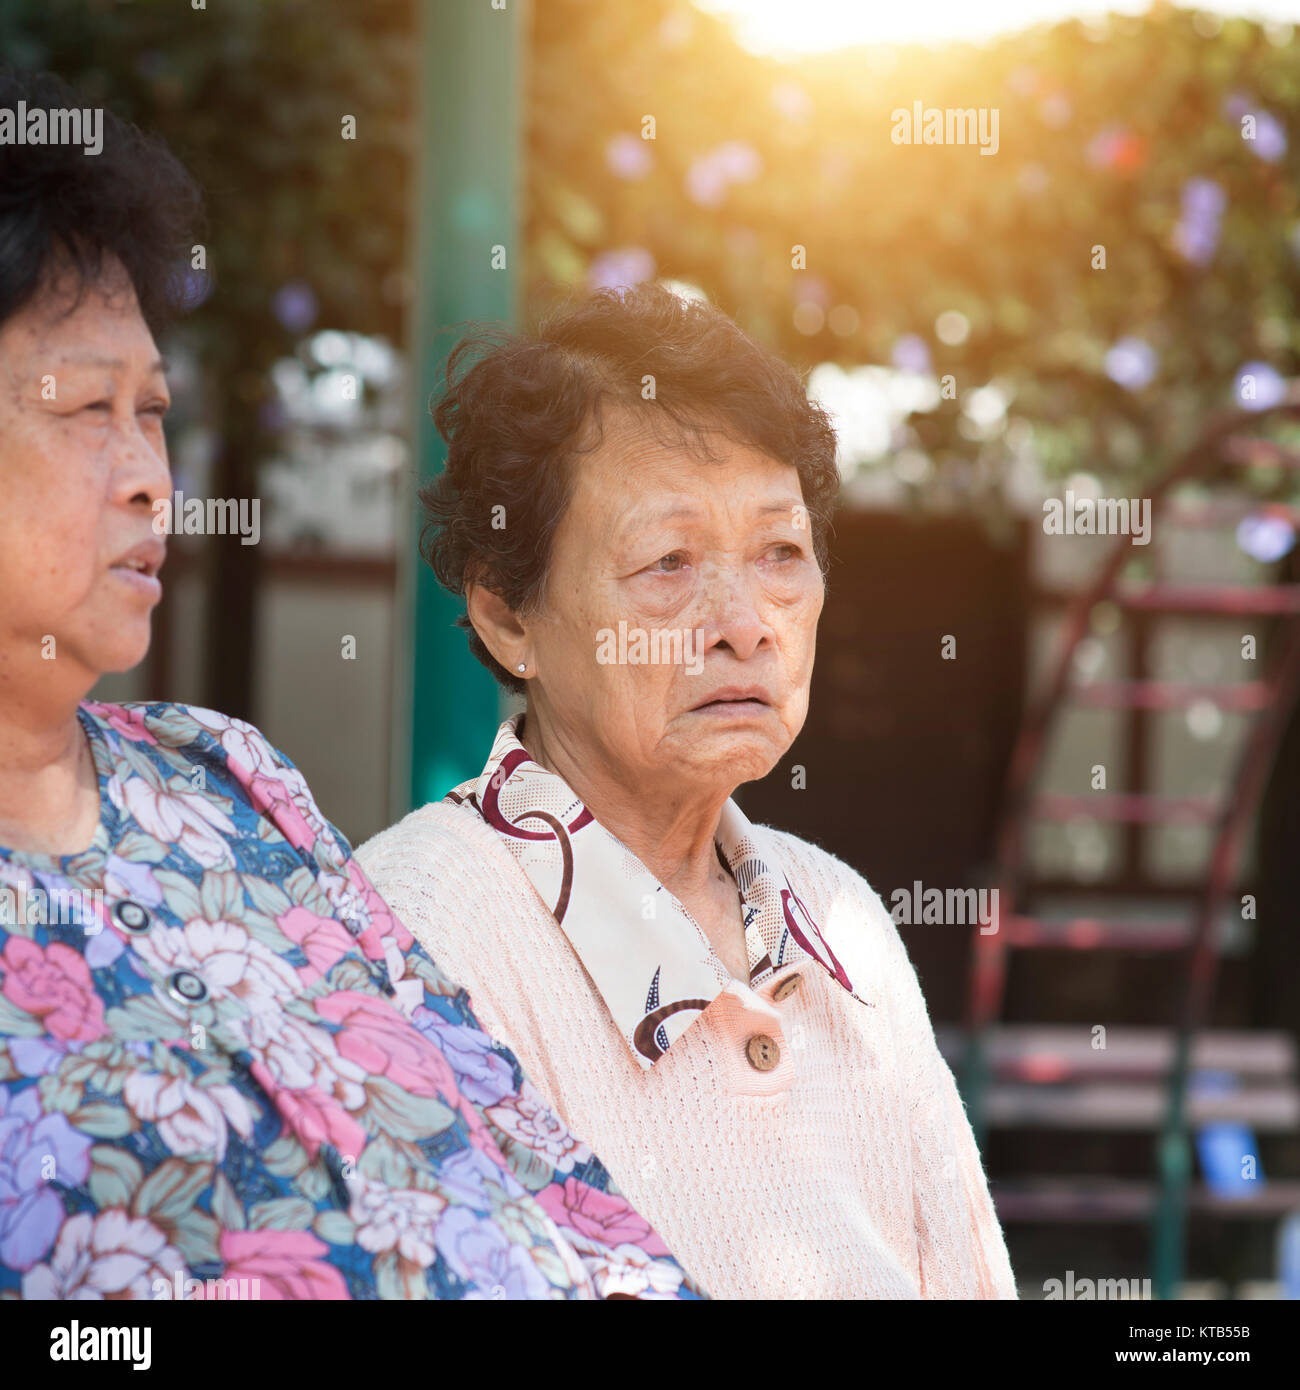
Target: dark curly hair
133, 200
518, 409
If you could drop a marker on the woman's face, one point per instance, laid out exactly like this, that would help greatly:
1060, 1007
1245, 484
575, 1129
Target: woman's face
712, 560
82, 460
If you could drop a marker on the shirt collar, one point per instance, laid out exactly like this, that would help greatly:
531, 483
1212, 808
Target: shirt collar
647, 956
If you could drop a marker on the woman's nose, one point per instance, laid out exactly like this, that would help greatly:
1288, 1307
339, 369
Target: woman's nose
735, 616
140, 468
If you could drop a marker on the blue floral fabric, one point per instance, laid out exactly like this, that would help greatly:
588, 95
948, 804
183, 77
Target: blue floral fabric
227, 1070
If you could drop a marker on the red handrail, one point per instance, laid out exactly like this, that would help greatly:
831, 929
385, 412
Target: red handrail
1273, 699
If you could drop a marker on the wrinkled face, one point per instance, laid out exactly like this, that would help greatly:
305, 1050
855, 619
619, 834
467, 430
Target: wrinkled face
710, 559
82, 460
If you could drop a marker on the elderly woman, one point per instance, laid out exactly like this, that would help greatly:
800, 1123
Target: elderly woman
635, 506
226, 1069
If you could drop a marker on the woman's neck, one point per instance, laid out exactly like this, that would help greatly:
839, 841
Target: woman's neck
49, 790
672, 834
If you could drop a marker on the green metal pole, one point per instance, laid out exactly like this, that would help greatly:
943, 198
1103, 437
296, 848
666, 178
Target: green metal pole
973, 1084
467, 220
1174, 1164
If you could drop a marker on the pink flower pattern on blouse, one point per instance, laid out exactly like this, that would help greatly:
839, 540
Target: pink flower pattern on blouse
223, 1057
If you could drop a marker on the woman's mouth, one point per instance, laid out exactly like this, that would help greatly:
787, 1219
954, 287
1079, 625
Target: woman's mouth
139, 568
735, 702
144, 583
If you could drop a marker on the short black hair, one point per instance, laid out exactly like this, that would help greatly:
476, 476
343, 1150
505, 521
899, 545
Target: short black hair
519, 407
133, 201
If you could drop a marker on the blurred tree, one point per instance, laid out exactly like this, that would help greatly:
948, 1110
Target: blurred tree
305, 227
1156, 147
1160, 143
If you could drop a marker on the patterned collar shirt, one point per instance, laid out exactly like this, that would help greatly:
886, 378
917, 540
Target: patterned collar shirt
659, 973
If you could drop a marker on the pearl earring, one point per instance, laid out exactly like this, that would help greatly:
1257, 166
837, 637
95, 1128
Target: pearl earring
521, 668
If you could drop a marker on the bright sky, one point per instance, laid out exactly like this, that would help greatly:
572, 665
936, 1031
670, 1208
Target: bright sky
808, 26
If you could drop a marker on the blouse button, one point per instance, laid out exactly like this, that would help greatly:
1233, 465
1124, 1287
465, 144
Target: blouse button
187, 987
333, 1161
762, 1052
131, 916
787, 987
379, 974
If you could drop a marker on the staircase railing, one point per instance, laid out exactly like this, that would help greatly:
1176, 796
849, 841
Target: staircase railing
1220, 445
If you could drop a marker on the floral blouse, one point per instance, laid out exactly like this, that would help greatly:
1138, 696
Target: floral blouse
226, 1069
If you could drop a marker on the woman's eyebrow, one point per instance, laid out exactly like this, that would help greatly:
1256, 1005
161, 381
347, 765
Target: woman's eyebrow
787, 508
93, 359
639, 520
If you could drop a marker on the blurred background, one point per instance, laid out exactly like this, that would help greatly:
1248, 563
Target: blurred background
1105, 307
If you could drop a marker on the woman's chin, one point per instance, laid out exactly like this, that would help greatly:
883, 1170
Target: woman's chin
124, 651
736, 755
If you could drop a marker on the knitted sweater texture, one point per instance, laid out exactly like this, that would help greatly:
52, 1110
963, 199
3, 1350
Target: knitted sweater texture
847, 1170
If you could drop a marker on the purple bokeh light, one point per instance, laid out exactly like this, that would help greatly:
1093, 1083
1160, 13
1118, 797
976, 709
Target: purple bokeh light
1265, 538
621, 269
1132, 363
628, 156
294, 304
911, 354
1197, 234
1259, 387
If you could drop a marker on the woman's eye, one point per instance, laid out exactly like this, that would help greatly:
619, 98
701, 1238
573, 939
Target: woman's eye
785, 551
671, 563
159, 409
99, 405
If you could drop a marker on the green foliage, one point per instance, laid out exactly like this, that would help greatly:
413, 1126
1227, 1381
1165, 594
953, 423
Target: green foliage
903, 233
251, 94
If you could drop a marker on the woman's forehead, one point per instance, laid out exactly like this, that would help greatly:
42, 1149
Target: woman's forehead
642, 471
96, 327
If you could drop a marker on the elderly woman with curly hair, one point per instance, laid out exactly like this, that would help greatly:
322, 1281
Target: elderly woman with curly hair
635, 506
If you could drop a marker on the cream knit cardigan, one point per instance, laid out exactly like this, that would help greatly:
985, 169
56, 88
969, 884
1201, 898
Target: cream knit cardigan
847, 1171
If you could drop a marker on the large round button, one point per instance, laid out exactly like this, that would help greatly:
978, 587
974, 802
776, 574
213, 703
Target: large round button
131, 916
187, 987
787, 987
762, 1052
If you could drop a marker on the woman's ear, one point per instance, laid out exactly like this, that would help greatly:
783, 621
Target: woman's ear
495, 622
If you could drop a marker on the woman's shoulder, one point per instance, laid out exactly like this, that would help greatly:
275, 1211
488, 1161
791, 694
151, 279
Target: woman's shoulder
176, 728
439, 828
852, 916
218, 767
820, 873
459, 891
441, 850
841, 900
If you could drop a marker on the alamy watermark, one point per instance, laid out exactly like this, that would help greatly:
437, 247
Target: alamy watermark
180, 1287
951, 907
58, 125
59, 907
179, 515
96, 1343
654, 646
932, 125
1098, 516
1095, 1289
